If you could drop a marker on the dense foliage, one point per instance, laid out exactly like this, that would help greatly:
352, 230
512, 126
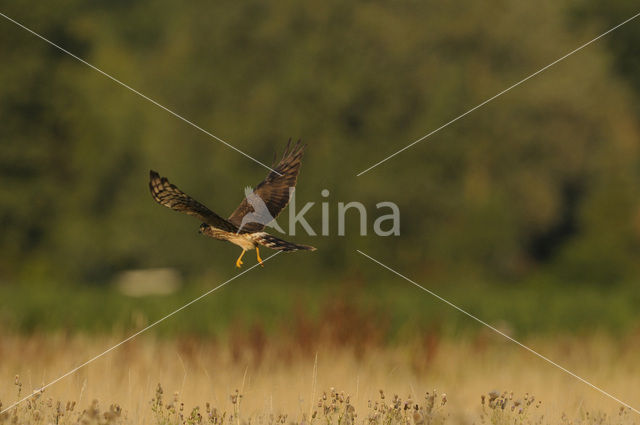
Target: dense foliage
542, 181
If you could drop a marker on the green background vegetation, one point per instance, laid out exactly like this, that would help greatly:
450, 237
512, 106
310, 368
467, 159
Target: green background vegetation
526, 211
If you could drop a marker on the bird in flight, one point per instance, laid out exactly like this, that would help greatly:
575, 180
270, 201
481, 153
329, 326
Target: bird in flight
245, 226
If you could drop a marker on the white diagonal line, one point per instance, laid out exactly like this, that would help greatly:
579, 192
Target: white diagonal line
72, 371
548, 360
175, 114
498, 95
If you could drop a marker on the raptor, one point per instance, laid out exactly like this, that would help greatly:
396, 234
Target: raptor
245, 226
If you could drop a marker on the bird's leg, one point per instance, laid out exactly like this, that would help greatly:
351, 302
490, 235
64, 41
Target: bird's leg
258, 256
239, 260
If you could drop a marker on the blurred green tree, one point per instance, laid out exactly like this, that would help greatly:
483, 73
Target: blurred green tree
545, 179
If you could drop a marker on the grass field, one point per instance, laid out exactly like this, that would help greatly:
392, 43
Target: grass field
283, 354
280, 381
386, 306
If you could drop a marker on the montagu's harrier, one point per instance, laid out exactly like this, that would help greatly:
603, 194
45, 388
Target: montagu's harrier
245, 227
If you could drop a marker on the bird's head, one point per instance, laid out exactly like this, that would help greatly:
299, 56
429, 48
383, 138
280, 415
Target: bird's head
203, 228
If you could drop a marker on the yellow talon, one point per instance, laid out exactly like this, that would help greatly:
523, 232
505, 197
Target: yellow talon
258, 256
239, 260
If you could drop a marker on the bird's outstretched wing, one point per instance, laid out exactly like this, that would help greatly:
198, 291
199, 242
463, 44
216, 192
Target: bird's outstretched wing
274, 190
170, 196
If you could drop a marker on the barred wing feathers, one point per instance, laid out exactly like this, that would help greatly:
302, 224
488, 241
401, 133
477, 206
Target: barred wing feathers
170, 196
274, 189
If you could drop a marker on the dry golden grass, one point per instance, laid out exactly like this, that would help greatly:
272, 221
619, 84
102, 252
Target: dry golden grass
275, 382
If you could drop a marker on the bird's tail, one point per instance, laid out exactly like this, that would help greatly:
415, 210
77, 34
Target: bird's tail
272, 242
